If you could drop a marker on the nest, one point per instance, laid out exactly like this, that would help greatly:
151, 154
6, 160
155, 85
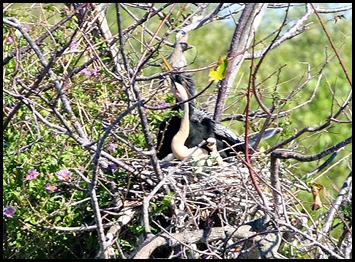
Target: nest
202, 210
201, 197
211, 191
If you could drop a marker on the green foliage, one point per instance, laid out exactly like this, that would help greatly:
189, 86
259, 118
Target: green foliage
162, 206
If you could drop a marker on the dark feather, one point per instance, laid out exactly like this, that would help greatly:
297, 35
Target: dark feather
201, 128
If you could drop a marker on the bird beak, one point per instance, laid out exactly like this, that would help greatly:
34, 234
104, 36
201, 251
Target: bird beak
187, 47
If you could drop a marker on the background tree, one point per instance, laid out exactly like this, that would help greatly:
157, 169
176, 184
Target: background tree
81, 107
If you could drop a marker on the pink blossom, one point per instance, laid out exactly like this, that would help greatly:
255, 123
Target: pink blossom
163, 105
10, 40
64, 175
85, 71
89, 73
111, 147
95, 72
50, 187
31, 174
9, 211
73, 45
26, 27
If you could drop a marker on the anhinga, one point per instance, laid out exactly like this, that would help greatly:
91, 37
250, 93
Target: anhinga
177, 61
201, 126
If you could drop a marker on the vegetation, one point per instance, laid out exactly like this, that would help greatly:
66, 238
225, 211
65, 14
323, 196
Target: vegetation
82, 103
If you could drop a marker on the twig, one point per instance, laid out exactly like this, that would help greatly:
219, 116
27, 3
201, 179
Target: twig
336, 204
333, 46
303, 158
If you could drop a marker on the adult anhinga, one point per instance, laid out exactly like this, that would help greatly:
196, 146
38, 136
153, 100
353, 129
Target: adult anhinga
201, 125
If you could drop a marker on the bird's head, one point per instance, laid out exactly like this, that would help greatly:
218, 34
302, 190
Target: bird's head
187, 82
184, 46
179, 91
181, 41
181, 37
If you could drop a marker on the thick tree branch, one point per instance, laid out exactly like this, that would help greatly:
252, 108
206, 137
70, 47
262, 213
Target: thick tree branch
243, 35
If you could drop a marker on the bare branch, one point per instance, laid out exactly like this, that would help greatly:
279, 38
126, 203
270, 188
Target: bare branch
303, 158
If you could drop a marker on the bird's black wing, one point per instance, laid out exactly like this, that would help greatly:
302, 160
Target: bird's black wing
198, 115
167, 130
200, 129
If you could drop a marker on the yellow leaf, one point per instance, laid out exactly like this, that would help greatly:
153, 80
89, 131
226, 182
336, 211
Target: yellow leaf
214, 75
219, 72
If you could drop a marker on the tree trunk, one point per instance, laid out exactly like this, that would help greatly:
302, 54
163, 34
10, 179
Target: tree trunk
243, 35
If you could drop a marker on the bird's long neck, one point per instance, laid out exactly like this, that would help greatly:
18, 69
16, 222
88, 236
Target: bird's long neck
183, 133
178, 147
178, 143
185, 123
